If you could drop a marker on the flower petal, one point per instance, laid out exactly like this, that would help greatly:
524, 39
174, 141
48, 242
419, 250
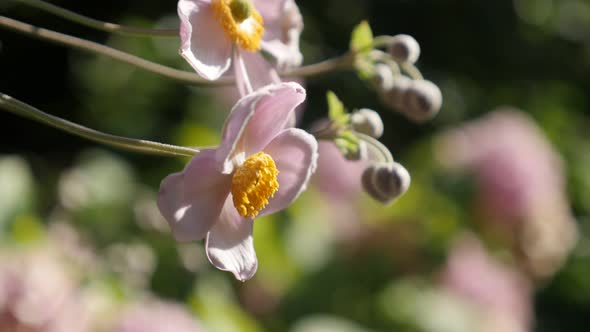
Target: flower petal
260, 72
295, 153
230, 246
256, 119
283, 24
204, 44
191, 201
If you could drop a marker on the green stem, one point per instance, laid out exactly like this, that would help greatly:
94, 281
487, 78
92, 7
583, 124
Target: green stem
85, 45
340, 63
379, 150
135, 145
96, 24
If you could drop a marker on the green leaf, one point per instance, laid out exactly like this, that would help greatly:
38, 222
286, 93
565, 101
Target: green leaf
336, 110
362, 37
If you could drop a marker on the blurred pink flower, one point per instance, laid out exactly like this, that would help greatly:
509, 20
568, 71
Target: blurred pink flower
157, 317
214, 31
339, 182
520, 184
499, 291
337, 177
37, 294
259, 168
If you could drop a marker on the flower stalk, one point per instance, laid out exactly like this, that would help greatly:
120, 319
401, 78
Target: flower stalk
97, 24
340, 63
134, 145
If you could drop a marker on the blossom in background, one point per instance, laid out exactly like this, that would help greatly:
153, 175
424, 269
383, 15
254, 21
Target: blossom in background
214, 31
157, 316
339, 180
500, 294
38, 294
259, 168
520, 184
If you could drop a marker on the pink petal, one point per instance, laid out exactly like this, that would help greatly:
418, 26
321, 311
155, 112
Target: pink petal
256, 119
260, 72
230, 246
283, 24
270, 10
191, 201
204, 44
295, 153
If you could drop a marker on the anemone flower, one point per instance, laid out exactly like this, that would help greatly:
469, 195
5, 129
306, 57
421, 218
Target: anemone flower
214, 31
259, 168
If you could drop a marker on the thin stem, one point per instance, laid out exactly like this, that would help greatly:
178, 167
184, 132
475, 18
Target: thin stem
377, 148
85, 45
411, 70
135, 145
343, 62
340, 63
96, 24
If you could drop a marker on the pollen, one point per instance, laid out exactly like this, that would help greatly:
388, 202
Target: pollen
241, 22
253, 184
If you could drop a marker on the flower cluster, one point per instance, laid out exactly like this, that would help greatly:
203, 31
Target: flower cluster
262, 163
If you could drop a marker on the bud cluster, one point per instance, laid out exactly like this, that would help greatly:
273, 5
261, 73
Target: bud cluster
400, 84
356, 136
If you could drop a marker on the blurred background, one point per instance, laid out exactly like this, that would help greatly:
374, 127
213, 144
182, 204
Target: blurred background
491, 236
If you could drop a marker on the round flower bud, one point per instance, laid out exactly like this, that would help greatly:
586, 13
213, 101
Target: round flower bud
394, 97
386, 181
368, 122
422, 101
404, 49
383, 77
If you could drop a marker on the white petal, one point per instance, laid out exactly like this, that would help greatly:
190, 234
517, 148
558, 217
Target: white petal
230, 246
204, 43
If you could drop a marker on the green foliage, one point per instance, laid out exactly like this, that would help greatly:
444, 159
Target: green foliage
361, 37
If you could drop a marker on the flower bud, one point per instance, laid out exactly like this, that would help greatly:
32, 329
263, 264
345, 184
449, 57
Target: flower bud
368, 122
382, 77
385, 182
404, 49
394, 97
422, 101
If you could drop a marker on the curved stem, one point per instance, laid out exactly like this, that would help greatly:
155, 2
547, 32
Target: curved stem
412, 71
377, 148
96, 24
135, 145
343, 62
85, 45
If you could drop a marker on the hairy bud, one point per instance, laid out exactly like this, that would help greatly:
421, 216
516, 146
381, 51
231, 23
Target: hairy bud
394, 98
385, 182
404, 49
382, 77
368, 122
422, 101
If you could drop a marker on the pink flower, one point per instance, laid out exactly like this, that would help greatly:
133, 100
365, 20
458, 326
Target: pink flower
283, 24
157, 316
498, 290
520, 184
38, 294
211, 31
259, 168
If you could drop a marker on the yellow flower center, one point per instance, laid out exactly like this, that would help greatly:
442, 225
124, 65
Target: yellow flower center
241, 22
254, 183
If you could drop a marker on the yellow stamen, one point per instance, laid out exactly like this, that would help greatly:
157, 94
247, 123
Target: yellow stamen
253, 183
241, 22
